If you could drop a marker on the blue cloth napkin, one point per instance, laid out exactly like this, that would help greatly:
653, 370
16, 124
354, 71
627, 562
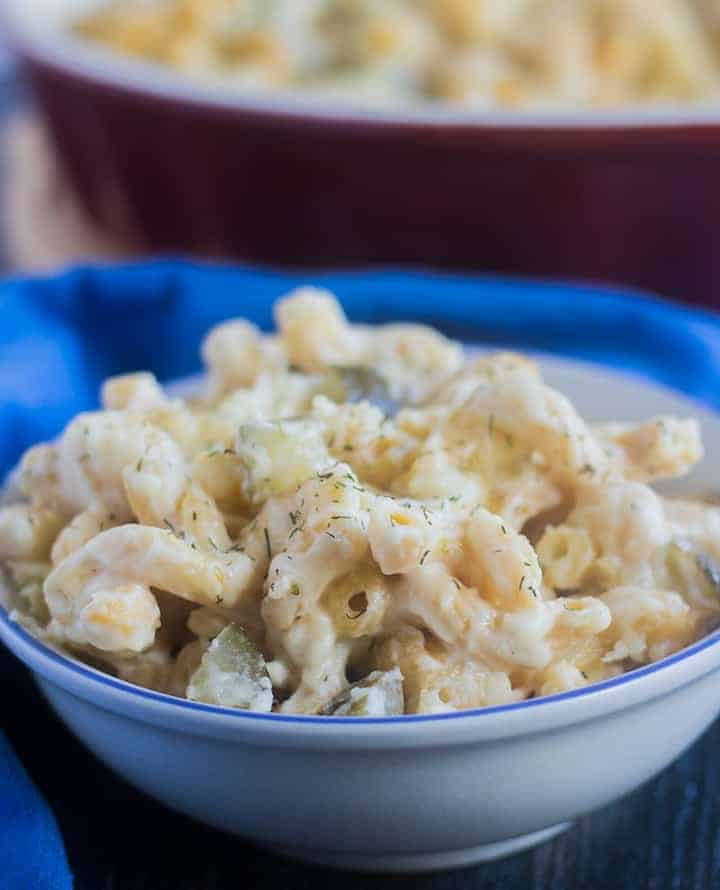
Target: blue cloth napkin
60, 337
32, 856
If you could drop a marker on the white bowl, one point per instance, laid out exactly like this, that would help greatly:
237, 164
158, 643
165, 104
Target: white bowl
405, 793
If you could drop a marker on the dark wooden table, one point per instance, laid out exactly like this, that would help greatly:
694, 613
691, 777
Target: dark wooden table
666, 836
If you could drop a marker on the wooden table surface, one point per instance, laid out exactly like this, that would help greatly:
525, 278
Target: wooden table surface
666, 836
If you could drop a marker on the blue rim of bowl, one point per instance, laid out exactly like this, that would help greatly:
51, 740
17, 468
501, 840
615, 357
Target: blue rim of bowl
95, 675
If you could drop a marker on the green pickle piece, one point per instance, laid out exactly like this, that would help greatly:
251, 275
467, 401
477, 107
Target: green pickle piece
232, 673
280, 455
693, 572
359, 384
380, 694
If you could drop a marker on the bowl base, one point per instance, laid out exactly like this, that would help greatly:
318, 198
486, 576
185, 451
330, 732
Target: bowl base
422, 862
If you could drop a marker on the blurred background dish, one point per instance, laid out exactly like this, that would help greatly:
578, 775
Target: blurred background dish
481, 53
160, 162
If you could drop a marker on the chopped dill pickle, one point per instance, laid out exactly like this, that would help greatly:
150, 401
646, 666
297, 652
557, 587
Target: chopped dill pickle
358, 384
694, 573
232, 673
280, 455
380, 694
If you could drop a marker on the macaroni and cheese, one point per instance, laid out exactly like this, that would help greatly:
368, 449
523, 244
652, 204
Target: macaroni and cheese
485, 53
352, 520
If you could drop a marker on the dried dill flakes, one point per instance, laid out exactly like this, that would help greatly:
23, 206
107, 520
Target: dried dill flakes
139, 465
424, 557
267, 542
170, 527
331, 535
342, 516
194, 515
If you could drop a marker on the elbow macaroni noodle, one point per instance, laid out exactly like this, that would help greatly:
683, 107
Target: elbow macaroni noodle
278, 541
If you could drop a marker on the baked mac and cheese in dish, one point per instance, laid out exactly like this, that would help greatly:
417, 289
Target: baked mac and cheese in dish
359, 521
482, 53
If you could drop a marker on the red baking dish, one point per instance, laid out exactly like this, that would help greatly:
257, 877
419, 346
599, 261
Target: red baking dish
630, 196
